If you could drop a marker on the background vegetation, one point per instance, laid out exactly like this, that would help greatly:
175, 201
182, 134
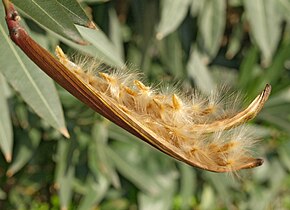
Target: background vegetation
202, 43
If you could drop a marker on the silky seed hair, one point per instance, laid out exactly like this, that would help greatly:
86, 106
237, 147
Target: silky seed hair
200, 129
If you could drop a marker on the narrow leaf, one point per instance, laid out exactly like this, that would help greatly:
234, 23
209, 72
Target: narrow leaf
171, 55
98, 160
52, 16
96, 191
187, 185
198, 71
76, 13
34, 86
65, 191
274, 72
129, 170
161, 201
66, 159
247, 68
265, 20
212, 24
105, 50
24, 150
196, 7
6, 133
116, 32
170, 18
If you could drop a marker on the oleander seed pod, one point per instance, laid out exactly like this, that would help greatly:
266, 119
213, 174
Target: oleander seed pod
195, 130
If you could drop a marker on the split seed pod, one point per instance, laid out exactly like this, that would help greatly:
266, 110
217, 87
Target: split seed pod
186, 130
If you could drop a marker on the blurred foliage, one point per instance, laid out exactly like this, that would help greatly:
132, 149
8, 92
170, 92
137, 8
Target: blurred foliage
202, 43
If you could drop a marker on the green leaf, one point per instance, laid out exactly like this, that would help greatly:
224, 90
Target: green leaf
96, 191
116, 204
187, 185
104, 48
66, 159
6, 133
65, 190
147, 169
76, 13
280, 98
160, 201
221, 183
198, 71
284, 152
25, 149
246, 75
170, 18
208, 198
34, 86
61, 160
116, 33
98, 160
265, 20
211, 22
100, 48
142, 180
52, 16
196, 7
274, 72
171, 55
235, 42
3, 195
284, 7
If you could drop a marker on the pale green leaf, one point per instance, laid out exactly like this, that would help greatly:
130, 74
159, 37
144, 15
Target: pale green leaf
211, 26
172, 14
96, 191
34, 86
6, 133
235, 42
160, 202
198, 71
52, 16
187, 185
196, 7
76, 13
104, 48
98, 160
116, 33
171, 54
208, 198
284, 7
25, 148
265, 20
65, 187
129, 170
66, 159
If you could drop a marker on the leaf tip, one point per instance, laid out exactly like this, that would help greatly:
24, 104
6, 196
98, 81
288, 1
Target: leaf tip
8, 157
159, 36
64, 132
92, 25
